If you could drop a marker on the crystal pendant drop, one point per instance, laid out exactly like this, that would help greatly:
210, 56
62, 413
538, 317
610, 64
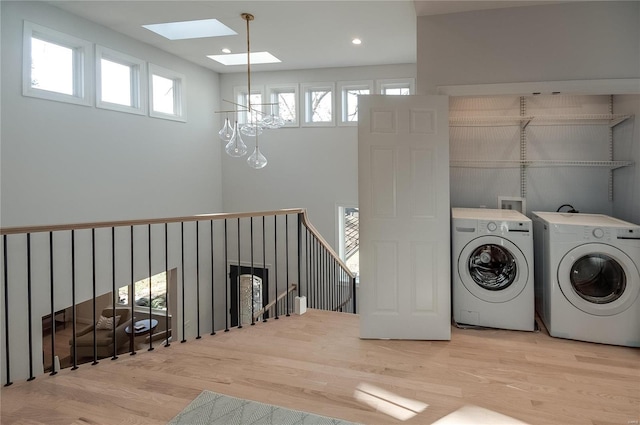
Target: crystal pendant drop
226, 133
236, 146
256, 159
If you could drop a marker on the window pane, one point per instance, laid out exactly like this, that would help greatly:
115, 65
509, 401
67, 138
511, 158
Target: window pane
116, 82
51, 67
285, 105
158, 284
352, 239
351, 103
141, 294
404, 91
320, 105
163, 95
256, 105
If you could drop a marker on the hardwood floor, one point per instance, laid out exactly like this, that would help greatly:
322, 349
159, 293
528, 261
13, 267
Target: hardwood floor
317, 363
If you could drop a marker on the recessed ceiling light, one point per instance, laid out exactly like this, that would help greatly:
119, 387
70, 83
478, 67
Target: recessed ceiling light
241, 58
356, 41
191, 29
225, 50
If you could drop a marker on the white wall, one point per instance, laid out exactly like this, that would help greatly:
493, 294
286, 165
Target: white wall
312, 168
64, 163
569, 41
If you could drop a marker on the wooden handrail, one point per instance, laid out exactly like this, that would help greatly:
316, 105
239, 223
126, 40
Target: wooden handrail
269, 306
123, 223
199, 217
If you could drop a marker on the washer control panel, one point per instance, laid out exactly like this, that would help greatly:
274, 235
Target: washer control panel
597, 233
492, 226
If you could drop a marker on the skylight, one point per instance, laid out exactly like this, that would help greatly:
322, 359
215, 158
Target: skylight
241, 58
191, 29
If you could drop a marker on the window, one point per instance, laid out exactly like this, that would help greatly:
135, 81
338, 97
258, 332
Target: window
147, 292
349, 100
55, 65
167, 94
318, 104
396, 86
284, 103
349, 237
242, 99
118, 83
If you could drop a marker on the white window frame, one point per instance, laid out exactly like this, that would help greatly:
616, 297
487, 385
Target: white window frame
82, 57
274, 89
307, 88
239, 97
138, 81
392, 83
179, 95
343, 88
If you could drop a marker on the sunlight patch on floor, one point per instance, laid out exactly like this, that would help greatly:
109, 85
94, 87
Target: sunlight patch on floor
388, 403
472, 415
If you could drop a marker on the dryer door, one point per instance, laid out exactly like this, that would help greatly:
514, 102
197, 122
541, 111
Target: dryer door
493, 269
599, 279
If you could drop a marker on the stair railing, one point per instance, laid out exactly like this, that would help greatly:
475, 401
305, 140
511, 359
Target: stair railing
81, 268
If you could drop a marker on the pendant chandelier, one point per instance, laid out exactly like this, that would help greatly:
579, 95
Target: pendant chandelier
256, 120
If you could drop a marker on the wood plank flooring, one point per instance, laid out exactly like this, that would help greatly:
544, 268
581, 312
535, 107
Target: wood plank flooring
317, 363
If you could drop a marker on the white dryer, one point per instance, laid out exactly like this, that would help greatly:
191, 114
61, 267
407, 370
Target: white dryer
492, 254
586, 278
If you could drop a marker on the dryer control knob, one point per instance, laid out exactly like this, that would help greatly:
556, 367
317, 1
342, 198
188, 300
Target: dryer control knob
598, 233
492, 226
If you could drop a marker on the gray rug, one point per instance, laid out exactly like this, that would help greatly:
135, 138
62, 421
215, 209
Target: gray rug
211, 408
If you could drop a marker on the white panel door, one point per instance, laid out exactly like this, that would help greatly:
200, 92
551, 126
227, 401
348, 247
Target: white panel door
403, 186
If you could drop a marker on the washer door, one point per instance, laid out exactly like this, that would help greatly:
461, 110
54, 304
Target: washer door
493, 269
599, 279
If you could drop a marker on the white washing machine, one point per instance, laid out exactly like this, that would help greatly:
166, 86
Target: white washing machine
492, 254
586, 277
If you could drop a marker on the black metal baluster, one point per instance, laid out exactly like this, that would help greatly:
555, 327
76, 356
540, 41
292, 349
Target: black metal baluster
319, 275
182, 267
31, 377
73, 299
150, 293
307, 257
251, 291
113, 292
213, 288
264, 265
237, 283
353, 285
286, 240
275, 263
226, 279
6, 312
53, 311
198, 280
166, 283
300, 293
314, 272
93, 288
132, 301
322, 281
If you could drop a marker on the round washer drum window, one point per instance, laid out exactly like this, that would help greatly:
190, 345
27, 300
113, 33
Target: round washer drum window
598, 278
492, 267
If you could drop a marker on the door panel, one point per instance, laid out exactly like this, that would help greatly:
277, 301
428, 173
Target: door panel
403, 174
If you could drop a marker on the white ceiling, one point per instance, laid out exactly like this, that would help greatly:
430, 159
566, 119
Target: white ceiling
304, 34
